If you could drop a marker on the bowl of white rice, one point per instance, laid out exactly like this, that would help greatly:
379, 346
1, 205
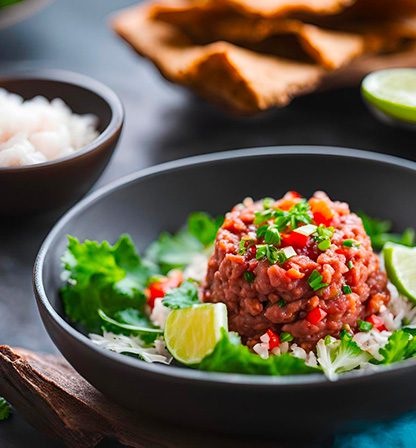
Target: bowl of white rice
58, 131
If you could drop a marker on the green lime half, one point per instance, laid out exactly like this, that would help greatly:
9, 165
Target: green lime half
392, 92
192, 333
400, 262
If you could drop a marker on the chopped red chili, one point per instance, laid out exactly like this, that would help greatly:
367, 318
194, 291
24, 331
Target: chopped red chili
316, 315
274, 340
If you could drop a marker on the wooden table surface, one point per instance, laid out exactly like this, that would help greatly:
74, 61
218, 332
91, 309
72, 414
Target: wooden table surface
163, 122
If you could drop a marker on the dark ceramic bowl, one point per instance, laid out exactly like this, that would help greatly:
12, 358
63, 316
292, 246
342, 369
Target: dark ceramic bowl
36, 188
160, 198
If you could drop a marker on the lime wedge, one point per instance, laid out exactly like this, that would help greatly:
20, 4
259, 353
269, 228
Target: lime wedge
400, 262
192, 333
393, 92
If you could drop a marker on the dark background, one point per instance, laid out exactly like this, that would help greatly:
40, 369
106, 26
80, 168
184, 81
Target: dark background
162, 123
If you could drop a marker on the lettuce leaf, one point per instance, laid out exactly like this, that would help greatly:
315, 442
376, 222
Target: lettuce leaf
100, 276
231, 356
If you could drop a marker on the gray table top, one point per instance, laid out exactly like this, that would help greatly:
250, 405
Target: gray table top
162, 123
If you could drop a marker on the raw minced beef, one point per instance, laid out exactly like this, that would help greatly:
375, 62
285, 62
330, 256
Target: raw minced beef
273, 298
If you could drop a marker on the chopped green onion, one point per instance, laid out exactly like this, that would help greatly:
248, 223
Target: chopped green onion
344, 334
327, 339
268, 202
281, 303
242, 249
324, 245
249, 276
286, 337
288, 252
261, 251
351, 243
364, 326
263, 216
307, 229
346, 289
261, 231
272, 236
350, 265
323, 237
315, 281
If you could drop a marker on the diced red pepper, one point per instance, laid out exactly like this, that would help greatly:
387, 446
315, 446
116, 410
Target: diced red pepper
294, 273
378, 322
298, 239
274, 340
322, 212
160, 288
316, 315
290, 199
295, 239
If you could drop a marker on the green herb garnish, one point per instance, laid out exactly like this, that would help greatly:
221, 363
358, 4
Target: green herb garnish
378, 231
346, 289
272, 236
281, 303
286, 337
249, 276
351, 243
184, 296
350, 265
364, 326
315, 281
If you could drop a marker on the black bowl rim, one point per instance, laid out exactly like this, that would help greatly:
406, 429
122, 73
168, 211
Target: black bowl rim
81, 81
181, 373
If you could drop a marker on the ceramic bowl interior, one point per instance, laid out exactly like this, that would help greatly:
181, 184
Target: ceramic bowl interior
160, 198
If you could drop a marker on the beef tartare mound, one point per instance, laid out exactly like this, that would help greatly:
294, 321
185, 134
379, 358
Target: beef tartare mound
297, 269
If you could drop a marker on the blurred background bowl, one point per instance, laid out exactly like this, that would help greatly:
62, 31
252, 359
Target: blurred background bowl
45, 186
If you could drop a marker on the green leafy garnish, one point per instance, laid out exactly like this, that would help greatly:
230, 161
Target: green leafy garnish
378, 231
110, 278
323, 236
272, 236
4, 409
184, 296
285, 220
204, 227
364, 326
315, 280
286, 337
4, 3
231, 356
397, 347
245, 243
337, 356
177, 251
249, 276
351, 243
346, 289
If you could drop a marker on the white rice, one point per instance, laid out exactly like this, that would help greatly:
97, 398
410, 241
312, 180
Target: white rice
38, 130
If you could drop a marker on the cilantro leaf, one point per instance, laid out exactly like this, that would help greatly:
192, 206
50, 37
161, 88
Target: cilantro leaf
4, 409
378, 231
397, 347
110, 278
184, 296
231, 356
177, 251
337, 356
